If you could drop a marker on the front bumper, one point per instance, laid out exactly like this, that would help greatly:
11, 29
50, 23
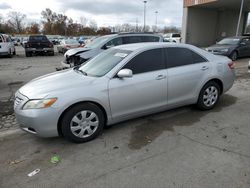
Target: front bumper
4, 53
34, 50
41, 122
216, 52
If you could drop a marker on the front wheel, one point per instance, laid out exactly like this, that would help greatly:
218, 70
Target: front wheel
82, 123
234, 56
209, 96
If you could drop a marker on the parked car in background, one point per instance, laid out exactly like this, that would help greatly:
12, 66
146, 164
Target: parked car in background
232, 47
24, 40
67, 44
78, 56
121, 83
7, 47
16, 41
55, 41
38, 44
172, 37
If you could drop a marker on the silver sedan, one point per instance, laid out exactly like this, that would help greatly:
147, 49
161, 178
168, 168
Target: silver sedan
121, 83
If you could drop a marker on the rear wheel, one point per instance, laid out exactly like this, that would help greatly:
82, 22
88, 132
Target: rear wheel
209, 96
234, 56
82, 123
14, 53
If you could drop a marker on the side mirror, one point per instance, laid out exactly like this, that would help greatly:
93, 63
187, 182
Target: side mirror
125, 73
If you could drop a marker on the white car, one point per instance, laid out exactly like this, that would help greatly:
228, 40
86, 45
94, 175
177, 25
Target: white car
7, 46
172, 37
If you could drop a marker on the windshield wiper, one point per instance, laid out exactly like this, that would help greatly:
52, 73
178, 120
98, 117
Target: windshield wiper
76, 68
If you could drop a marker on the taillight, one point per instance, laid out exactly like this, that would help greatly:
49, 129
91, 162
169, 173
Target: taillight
231, 65
67, 46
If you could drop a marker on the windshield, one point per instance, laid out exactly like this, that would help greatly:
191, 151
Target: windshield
97, 42
71, 41
229, 41
104, 62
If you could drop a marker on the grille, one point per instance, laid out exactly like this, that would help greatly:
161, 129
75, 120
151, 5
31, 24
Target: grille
18, 101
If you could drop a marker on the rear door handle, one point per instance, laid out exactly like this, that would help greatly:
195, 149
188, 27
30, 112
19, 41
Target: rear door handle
204, 68
160, 77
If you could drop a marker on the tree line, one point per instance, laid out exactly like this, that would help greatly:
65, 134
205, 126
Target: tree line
53, 23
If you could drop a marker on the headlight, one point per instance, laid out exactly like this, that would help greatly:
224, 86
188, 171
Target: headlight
224, 50
36, 104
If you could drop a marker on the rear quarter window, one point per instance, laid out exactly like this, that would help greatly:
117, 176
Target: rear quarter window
151, 39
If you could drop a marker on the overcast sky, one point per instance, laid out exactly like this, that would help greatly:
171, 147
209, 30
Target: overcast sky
104, 12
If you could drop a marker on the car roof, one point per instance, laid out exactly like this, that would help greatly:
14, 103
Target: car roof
132, 34
148, 45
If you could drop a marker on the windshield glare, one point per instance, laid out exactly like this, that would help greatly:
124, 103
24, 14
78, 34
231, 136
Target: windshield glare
97, 42
229, 41
104, 62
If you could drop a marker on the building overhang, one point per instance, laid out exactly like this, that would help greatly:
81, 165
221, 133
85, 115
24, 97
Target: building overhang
218, 4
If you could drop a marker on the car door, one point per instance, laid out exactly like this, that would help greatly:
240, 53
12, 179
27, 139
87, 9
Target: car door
187, 70
145, 91
245, 47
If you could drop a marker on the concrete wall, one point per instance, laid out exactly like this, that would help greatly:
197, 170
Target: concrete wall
201, 26
227, 24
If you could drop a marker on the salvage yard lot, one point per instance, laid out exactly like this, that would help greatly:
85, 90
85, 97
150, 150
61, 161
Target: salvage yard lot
177, 148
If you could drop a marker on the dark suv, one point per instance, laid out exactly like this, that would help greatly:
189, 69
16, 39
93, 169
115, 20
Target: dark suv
38, 44
78, 56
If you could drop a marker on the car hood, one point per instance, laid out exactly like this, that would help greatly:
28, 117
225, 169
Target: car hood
220, 46
76, 51
55, 82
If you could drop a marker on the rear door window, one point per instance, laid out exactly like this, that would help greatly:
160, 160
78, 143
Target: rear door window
176, 57
132, 39
147, 61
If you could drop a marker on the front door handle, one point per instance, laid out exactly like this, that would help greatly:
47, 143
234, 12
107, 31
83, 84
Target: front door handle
204, 68
160, 77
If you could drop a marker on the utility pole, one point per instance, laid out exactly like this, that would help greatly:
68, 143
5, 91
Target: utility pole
156, 12
238, 26
144, 27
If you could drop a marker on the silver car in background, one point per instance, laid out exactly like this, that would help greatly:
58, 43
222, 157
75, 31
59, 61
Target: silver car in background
121, 83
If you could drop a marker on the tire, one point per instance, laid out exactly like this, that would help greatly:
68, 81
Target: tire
82, 123
234, 56
14, 53
28, 54
10, 54
207, 100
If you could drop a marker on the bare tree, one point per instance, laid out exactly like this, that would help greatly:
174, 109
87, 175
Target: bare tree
93, 25
16, 21
83, 21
